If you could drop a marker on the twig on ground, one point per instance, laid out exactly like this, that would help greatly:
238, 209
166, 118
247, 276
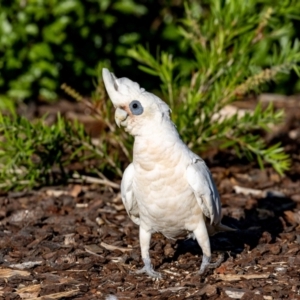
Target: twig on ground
88, 179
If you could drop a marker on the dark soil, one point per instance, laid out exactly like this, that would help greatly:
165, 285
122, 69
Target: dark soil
77, 242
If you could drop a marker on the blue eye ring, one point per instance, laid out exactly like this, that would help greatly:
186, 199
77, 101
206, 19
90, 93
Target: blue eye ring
136, 107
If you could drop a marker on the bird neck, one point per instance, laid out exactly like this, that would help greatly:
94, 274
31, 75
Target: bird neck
163, 140
157, 132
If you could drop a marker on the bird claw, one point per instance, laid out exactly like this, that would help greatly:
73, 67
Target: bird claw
150, 272
148, 269
206, 263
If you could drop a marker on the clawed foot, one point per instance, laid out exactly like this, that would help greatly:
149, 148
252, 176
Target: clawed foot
206, 263
148, 269
149, 272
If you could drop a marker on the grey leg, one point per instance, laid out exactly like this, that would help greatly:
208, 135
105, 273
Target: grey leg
206, 263
202, 237
145, 237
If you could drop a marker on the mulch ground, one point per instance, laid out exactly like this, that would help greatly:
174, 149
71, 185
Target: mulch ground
77, 242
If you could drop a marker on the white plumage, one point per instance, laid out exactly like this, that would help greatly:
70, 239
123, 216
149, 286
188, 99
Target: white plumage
167, 188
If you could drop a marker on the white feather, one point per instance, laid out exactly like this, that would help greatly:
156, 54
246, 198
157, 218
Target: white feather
204, 188
167, 188
127, 195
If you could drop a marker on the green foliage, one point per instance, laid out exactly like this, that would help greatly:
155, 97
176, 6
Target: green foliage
45, 43
234, 50
35, 154
222, 51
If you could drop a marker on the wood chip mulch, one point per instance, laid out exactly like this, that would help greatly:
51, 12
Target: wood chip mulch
77, 242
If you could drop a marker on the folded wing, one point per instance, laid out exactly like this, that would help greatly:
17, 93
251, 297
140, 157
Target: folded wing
205, 190
127, 195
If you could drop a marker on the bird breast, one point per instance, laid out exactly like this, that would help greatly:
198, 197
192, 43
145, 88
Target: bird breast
166, 201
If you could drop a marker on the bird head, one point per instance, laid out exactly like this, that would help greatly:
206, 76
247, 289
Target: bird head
136, 109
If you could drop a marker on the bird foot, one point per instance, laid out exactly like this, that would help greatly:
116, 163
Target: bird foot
149, 272
206, 263
148, 269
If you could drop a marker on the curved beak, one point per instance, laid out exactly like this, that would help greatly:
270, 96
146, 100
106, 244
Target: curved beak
111, 85
121, 117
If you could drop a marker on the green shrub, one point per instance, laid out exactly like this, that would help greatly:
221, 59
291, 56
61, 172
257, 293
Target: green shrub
233, 48
236, 47
35, 154
46, 43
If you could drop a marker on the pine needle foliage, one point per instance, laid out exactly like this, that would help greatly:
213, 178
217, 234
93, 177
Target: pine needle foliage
232, 48
235, 48
34, 154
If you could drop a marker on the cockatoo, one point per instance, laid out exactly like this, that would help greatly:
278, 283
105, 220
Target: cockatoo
167, 188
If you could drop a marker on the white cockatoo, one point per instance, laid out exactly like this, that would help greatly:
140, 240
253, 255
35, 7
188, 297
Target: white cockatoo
167, 188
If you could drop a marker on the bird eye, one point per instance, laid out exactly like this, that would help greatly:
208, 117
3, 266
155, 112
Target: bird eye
136, 107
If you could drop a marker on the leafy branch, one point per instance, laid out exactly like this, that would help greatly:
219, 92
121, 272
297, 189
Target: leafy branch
35, 154
233, 52
228, 50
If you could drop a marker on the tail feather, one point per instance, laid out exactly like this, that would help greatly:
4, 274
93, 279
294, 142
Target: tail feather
215, 228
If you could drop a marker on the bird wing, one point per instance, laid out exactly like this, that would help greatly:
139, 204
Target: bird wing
127, 195
205, 190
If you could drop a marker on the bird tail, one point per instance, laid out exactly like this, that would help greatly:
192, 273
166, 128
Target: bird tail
222, 227
215, 228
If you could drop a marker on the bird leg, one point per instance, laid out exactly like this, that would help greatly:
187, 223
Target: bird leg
202, 237
206, 263
145, 237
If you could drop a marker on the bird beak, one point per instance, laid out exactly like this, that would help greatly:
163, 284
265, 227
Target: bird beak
121, 117
111, 85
